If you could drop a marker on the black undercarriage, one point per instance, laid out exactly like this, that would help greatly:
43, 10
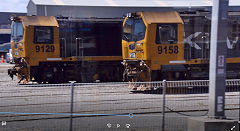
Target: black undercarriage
62, 72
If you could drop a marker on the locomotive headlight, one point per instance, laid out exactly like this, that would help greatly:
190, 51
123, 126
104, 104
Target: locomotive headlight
124, 62
11, 18
20, 43
139, 44
142, 63
128, 15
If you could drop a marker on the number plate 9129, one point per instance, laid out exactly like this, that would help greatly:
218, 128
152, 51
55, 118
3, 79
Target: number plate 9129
45, 48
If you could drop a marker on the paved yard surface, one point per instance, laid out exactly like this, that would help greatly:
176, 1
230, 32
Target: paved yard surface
93, 101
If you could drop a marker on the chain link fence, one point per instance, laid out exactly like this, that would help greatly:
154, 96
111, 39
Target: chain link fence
98, 106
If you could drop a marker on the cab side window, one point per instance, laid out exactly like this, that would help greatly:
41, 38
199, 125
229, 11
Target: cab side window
166, 34
43, 35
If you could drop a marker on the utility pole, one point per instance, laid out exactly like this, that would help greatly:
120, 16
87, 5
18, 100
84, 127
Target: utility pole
218, 53
217, 75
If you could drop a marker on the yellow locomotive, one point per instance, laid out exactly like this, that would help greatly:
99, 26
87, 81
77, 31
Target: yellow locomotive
159, 45
50, 50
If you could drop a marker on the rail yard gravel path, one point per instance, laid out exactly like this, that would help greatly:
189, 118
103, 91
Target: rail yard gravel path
98, 99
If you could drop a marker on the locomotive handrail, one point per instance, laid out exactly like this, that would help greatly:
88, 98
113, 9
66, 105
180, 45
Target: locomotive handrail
65, 46
80, 47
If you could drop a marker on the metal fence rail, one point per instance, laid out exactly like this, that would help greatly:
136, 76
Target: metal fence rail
188, 83
182, 83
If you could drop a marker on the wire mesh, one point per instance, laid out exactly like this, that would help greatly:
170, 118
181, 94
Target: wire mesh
97, 104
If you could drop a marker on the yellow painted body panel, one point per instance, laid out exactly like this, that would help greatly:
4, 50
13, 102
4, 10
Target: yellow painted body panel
26, 48
206, 61
39, 21
163, 17
37, 55
233, 60
161, 54
169, 52
34, 56
90, 58
140, 46
148, 50
20, 51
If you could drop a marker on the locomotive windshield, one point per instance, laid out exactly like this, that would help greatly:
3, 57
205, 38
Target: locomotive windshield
17, 31
134, 30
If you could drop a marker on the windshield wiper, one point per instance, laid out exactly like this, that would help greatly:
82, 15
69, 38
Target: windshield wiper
125, 36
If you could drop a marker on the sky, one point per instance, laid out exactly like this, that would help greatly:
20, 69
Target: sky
13, 5
21, 5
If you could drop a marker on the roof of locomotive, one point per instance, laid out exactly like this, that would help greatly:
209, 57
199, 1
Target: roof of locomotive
162, 17
39, 21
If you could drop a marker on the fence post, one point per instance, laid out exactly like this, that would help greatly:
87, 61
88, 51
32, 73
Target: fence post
71, 110
163, 104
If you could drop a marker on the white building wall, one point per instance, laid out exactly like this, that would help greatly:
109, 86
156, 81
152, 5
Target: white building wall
89, 12
115, 8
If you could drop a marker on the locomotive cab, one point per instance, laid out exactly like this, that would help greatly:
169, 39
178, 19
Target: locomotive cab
151, 40
33, 39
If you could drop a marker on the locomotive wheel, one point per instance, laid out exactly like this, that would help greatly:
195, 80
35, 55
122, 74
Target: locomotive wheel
144, 76
38, 79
